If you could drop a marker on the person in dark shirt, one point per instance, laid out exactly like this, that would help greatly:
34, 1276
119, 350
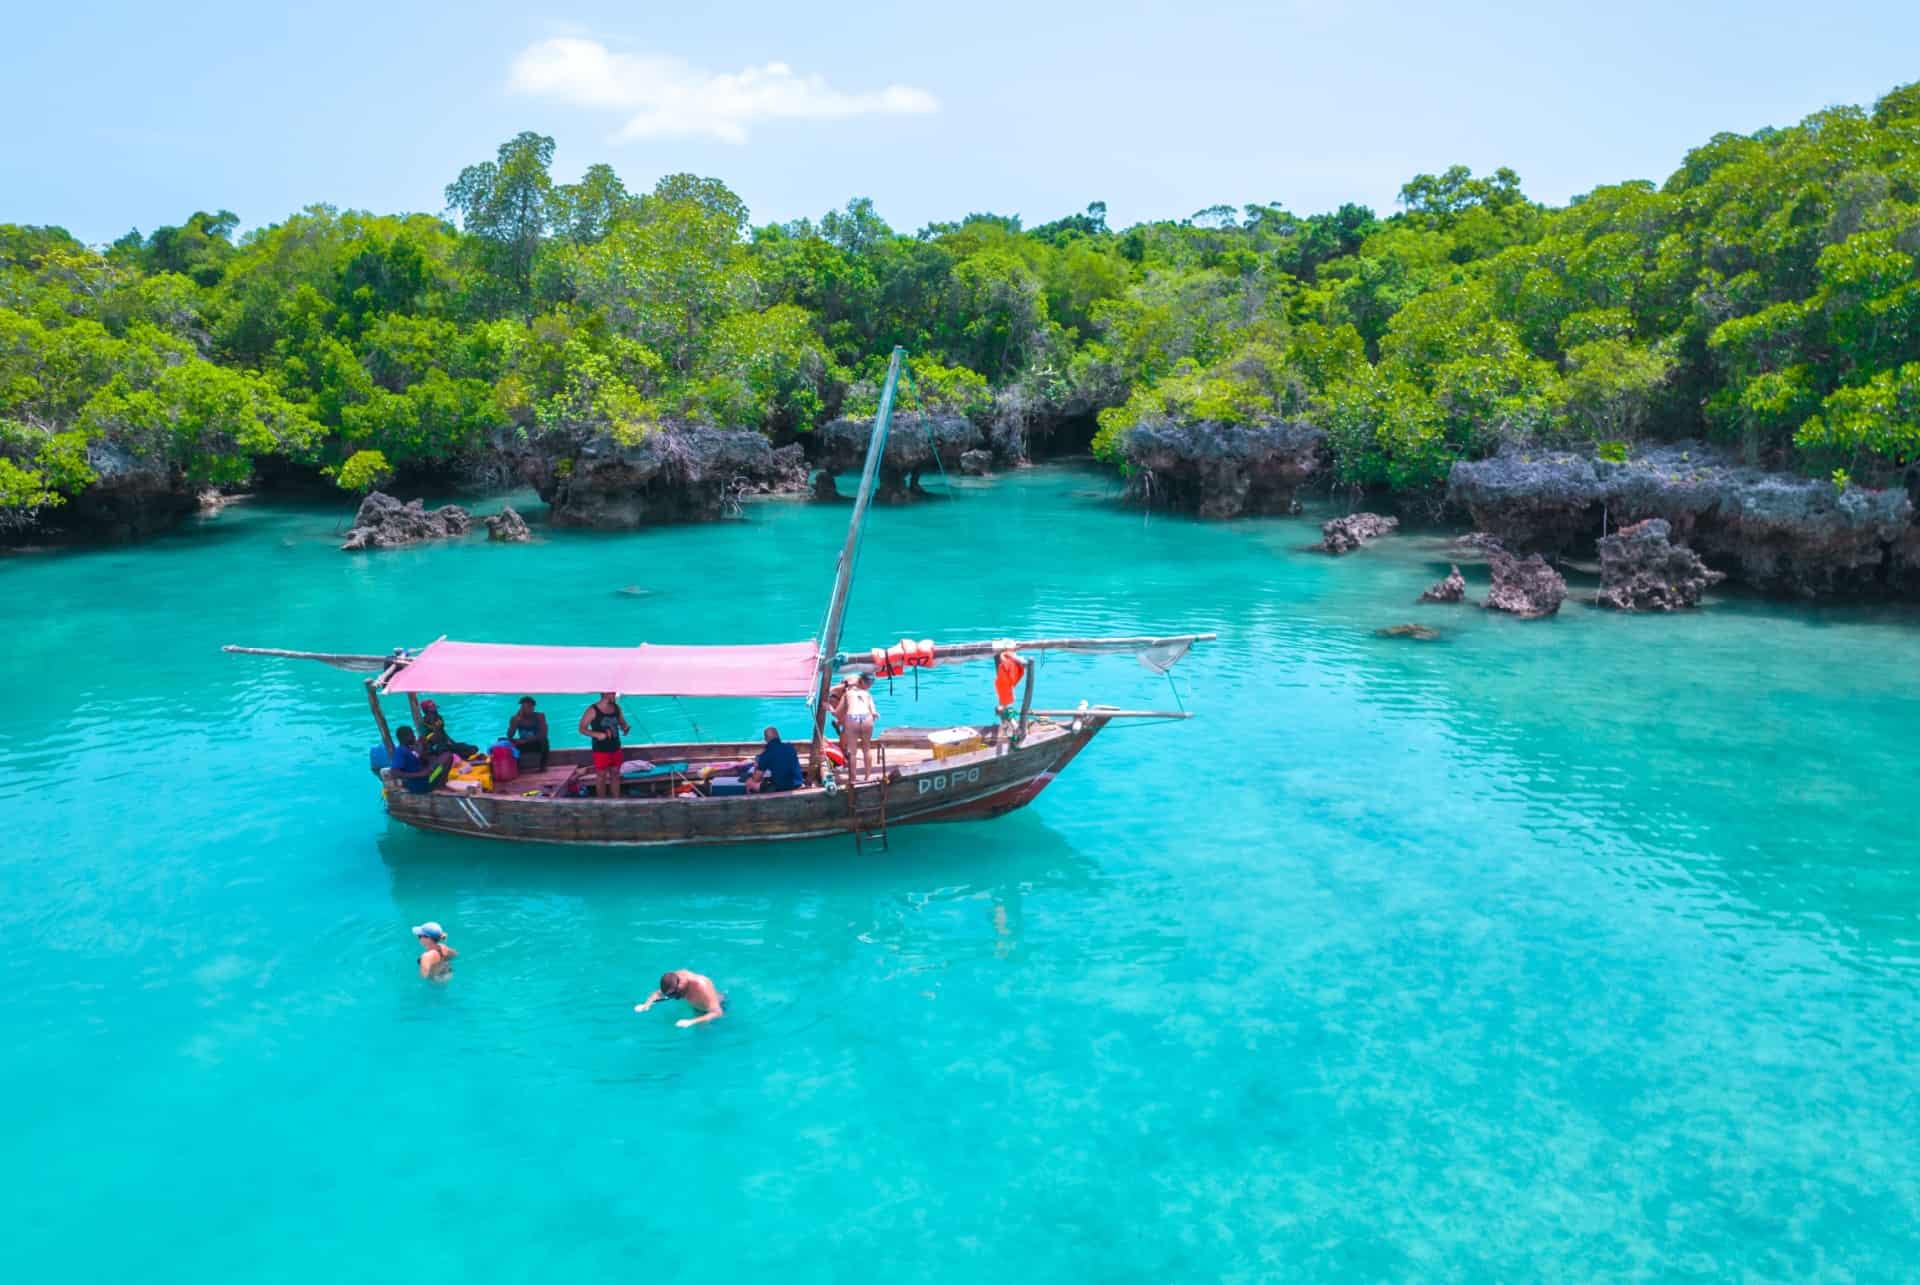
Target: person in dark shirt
417, 773
433, 733
527, 733
603, 723
777, 768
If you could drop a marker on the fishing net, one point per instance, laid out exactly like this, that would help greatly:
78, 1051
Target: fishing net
1162, 657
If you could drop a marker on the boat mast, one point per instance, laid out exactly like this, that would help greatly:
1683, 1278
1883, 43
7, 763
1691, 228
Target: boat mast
849, 554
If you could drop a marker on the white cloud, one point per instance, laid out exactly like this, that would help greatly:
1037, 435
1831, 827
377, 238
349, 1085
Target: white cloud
664, 97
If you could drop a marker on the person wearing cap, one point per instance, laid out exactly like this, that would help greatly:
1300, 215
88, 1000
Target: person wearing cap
602, 724
433, 732
417, 773
527, 733
436, 957
698, 990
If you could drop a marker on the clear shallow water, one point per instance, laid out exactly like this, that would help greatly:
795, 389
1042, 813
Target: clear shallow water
1571, 949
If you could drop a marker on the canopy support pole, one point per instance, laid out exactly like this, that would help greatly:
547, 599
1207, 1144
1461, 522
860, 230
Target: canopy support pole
379, 717
849, 554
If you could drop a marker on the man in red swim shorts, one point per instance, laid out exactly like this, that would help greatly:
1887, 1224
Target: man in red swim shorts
602, 723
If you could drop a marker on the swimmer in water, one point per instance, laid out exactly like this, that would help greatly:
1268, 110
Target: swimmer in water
698, 991
436, 957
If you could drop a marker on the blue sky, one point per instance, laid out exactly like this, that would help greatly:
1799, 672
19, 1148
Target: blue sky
125, 115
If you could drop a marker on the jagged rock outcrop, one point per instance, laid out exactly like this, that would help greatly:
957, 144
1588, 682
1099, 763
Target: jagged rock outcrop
1475, 542
1776, 532
682, 473
1223, 470
507, 527
1453, 588
916, 445
976, 463
1344, 535
385, 523
130, 498
1642, 570
825, 486
1524, 586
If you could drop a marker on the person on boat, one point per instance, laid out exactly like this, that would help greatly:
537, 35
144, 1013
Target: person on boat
856, 715
698, 990
417, 772
527, 731
777, 768
602, 724
436, 956
1008, 670
433, 732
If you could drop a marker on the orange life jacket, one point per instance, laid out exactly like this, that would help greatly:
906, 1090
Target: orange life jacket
1008, 670
891, 662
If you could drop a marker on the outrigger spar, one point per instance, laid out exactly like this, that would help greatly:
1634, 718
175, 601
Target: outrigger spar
686, 793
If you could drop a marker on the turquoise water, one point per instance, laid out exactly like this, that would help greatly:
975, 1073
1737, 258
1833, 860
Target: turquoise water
1576, 949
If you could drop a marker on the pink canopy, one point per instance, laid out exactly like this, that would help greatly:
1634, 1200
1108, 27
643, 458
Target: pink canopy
502, 669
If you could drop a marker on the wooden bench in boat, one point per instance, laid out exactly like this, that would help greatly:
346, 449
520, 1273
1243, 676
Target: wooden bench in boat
906, 750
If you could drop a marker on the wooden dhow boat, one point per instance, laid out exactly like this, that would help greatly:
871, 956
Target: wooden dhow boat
921, 774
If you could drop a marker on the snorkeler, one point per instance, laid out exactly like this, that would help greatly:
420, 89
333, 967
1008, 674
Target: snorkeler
698, 991
436, 961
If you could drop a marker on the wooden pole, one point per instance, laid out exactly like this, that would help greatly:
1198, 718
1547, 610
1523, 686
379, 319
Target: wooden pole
338, 659
1100, 711
413, 705
849, 554
379, 716
1026, 700
988, 650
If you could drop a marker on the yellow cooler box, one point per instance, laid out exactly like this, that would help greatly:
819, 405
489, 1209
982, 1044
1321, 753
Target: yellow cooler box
955, 740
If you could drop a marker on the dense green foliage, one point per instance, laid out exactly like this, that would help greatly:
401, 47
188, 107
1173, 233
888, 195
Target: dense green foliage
1768, 294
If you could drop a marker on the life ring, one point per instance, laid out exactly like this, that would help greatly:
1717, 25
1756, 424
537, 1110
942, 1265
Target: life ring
834, 756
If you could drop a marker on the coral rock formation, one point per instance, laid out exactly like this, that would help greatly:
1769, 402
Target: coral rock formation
1344, 535
385, 523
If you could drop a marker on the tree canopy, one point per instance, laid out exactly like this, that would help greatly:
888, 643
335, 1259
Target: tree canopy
1766, 295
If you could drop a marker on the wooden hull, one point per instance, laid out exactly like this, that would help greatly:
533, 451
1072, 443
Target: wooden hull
969, 787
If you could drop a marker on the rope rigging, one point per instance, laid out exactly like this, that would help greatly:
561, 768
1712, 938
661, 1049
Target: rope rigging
926, 425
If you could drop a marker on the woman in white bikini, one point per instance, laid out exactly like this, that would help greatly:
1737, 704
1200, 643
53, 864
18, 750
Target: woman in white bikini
856, 716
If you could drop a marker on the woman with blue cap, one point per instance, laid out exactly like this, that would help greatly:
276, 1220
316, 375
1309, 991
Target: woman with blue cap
436, 957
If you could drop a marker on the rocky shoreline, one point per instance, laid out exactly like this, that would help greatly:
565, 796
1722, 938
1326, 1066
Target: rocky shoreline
916, 446
1776, 533
1224, 470
685, 473
1665, 524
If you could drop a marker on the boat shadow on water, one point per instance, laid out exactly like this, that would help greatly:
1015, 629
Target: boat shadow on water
1017, 851
792, 939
